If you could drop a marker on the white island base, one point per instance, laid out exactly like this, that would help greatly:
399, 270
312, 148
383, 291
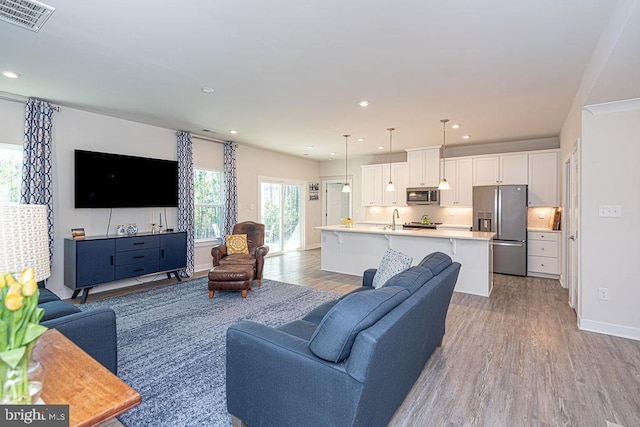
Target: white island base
353, 250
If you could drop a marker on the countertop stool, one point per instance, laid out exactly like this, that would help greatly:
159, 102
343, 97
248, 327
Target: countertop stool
230, 278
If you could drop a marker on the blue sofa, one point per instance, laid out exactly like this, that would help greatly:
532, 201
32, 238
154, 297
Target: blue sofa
349, 362
94, 331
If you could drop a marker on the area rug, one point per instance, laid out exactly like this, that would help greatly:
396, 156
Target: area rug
171, 344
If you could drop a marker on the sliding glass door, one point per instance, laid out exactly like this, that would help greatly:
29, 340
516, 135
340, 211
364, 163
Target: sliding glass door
282, 216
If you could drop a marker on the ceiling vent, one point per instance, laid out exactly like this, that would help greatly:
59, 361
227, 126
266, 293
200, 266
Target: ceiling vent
26, 14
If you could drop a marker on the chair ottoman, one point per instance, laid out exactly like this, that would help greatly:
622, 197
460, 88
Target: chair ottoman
230, 278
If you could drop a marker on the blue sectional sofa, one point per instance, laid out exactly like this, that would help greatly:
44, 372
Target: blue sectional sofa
94, 331
349, 362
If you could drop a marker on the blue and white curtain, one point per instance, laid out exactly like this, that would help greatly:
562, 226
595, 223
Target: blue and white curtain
230, 187
36, 166
186, 216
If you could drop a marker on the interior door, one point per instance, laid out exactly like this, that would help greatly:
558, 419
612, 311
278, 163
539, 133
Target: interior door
336, 203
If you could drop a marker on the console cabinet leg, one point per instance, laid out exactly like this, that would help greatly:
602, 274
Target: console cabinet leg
85, 294
75, 293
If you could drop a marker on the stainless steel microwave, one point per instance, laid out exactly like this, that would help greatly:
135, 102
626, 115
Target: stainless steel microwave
423, 196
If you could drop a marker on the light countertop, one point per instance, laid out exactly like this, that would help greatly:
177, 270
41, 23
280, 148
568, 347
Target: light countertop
438, 234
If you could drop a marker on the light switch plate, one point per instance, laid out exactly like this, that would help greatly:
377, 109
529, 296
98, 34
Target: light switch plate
610, 211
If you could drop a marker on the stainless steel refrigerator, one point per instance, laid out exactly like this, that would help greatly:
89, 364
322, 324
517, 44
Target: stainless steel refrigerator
502, 209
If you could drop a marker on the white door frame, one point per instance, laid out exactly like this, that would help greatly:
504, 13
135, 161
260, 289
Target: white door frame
323, 186
303, 196
572, 234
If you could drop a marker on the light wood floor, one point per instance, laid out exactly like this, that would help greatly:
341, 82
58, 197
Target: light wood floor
514, 359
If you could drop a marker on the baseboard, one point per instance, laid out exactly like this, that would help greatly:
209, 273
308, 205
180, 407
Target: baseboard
314, 246
609, 329
202, 267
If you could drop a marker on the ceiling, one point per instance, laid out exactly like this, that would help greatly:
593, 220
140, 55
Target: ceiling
288, 74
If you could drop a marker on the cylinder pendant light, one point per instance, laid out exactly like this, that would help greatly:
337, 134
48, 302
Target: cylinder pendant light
444, 184
390, 186
346, 188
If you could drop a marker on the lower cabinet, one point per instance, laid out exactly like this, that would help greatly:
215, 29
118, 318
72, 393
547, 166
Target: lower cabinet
543, 248
97, 260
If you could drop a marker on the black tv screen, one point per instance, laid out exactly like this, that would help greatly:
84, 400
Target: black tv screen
104, 180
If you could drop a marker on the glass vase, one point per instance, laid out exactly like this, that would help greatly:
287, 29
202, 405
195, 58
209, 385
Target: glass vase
21, 385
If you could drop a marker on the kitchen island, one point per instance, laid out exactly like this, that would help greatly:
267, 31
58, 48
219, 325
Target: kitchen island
353, 250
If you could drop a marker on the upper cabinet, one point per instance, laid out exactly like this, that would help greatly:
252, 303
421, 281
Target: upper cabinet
372, 185
399, 175
460, 178
543, 179
510, 169
424, 167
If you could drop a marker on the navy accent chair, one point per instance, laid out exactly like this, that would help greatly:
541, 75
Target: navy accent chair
349, 362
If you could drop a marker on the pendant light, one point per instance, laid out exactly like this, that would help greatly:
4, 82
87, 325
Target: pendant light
346, 188
390, 186
444, 184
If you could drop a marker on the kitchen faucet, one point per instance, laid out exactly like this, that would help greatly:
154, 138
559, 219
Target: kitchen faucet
394, 215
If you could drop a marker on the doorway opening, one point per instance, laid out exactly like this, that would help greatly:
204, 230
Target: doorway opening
337, 205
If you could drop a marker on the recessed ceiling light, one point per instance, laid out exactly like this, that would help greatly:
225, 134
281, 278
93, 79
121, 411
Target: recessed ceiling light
10, 74
364, 103
456, 126
380, 147
330, 158
466, 136
307, 154
333, 154
207, 89
309, 147
233, 131
360, 139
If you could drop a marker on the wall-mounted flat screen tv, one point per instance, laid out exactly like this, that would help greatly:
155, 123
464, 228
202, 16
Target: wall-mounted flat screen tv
105, 180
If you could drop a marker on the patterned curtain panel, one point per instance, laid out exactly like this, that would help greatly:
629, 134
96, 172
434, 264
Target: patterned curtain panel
185, 197
36, 166
230, 187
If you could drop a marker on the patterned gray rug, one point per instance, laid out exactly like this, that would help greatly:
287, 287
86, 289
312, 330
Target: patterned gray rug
171, 344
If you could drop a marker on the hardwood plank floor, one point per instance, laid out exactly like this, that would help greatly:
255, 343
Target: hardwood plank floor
514, 359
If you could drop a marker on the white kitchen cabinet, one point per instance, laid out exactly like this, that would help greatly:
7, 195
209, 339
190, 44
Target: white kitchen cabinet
424, 167
508, 169
372, 185
543, 250
460, 178
543, 179
399, 176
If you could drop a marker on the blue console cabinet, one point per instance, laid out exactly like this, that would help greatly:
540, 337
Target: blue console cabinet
96, 260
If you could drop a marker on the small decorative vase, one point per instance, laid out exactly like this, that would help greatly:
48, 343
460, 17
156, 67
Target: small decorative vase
21, 385
120, 230
132, 230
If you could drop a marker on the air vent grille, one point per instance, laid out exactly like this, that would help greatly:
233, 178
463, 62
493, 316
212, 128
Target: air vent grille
26, 14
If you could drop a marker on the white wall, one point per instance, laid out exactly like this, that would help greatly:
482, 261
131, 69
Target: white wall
253, 163
75, 129
610, 250
609, 149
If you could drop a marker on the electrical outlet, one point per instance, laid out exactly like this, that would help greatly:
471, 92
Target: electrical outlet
541, 214
603, 294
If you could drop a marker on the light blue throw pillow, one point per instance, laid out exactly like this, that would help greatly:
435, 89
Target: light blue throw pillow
392, 263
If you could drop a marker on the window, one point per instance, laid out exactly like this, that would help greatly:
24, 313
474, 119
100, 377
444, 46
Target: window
208, 203
10, 172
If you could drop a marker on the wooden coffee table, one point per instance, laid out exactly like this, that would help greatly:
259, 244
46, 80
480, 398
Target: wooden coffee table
72, 377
